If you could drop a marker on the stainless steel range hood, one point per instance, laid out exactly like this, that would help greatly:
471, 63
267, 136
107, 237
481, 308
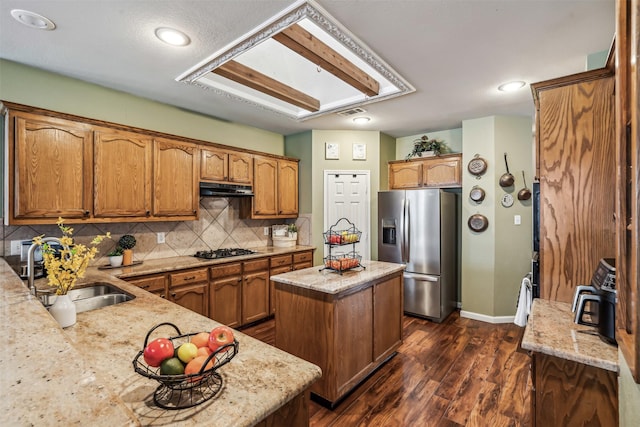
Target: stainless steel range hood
212, 189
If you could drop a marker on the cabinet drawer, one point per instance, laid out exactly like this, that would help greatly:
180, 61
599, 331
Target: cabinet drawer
302, 257
279, 261
257, 265
234, 269
302, 265
187, 277
148, 283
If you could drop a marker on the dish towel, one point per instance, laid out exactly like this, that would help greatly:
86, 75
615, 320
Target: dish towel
524, 303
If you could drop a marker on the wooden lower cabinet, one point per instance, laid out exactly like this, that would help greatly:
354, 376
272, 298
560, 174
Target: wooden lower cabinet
295, 413
567, 393
225, 301
255, 290
347, 335
190, 289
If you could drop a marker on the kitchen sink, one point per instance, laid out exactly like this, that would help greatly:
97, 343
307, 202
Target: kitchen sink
92, 297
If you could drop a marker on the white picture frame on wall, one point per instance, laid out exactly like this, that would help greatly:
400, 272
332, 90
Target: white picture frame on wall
359, 152
331, 151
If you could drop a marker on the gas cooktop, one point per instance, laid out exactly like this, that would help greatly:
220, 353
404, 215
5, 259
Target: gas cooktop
223, 253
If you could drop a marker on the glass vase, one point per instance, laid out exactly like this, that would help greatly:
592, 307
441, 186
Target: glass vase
64, 311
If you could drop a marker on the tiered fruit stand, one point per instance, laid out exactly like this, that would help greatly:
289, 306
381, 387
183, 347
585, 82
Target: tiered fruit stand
342, 233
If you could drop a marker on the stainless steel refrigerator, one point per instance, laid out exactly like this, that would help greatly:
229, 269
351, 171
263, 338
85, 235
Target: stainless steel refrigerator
418, 228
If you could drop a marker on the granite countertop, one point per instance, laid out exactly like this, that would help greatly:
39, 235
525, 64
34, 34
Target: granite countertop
83, 374
163, 265
331, 282
551, 330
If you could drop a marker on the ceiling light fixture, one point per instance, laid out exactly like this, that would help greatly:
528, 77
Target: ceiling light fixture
361, 120
172, 36
511, 86
32, 20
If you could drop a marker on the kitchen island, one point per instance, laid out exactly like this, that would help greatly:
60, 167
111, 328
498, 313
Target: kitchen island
83, 374
348, 324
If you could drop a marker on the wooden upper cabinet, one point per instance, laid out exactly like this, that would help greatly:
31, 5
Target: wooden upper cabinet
225, 166
122, 174
287, 188
575, 145
442, 172
275, 189
175, 178
436, 171
265, 187
52, 160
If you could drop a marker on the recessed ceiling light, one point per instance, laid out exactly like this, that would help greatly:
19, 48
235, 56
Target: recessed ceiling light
172, 36
32, 20
511, 86
361, 120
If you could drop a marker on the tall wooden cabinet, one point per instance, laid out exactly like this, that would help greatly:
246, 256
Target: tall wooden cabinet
122, 174
52, 168
628, 182
574, 163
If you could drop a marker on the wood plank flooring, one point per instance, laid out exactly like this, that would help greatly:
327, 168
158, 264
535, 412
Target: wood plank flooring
461, 372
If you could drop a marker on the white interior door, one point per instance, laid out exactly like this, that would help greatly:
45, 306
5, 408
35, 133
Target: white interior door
346, 195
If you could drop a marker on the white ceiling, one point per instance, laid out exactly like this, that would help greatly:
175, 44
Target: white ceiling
454, 52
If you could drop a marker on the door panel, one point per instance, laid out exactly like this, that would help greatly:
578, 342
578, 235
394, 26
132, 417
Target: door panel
390, 225
423, 254
422, 295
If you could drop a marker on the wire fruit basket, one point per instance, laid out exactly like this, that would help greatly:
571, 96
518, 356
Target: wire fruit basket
185, 390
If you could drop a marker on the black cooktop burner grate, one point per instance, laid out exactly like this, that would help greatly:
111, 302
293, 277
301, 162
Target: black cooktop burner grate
223, 253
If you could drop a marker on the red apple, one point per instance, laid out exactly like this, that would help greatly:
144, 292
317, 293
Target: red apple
220, 336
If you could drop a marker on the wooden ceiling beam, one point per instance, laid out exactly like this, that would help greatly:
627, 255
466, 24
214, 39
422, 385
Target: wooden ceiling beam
246, 76
307, 45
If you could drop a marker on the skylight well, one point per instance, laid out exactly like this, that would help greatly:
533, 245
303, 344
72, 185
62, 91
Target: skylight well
302, 64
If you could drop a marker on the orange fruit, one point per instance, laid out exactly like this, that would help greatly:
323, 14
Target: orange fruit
204, 351
201, 339
194, 366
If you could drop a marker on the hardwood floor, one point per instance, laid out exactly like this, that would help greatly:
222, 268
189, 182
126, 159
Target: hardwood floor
461, 372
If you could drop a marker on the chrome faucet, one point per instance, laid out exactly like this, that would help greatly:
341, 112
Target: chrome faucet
30, 263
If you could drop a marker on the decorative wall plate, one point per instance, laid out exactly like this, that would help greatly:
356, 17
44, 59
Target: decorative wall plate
477, 166
507, 200
478, 222
476, 194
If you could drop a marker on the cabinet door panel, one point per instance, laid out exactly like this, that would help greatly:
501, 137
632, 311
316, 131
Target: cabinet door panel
226, 301
214, 165
122, 174
53, 168
442, 172
405, 175
241, 168
175, 176
387, 324
193, 297
272, 285
265, 186
255, 297
287, 188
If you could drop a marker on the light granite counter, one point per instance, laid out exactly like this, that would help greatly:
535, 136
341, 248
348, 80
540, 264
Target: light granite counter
83, 374
331, 282
551, 330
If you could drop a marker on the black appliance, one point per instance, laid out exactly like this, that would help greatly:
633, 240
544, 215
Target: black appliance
535, 262
213, 189
223, 253
601, 293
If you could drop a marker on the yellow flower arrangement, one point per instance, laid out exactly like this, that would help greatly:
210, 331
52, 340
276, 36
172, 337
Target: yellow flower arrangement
64, 270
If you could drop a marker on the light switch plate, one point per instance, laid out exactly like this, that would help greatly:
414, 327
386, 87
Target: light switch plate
517, 220
266, 231
16, 247
160, 237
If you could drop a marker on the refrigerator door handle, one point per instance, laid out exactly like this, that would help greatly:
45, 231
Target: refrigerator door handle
407, 232
423, 277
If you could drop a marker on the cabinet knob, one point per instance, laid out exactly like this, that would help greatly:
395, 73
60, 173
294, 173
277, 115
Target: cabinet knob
144, 287
86, 213
195, 211
148, 213
163, 296
173, 294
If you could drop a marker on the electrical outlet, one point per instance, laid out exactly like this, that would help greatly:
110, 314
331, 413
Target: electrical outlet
160, 237
16, 247
517, 220
266, 231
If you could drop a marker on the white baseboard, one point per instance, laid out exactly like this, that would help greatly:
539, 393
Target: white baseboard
485, 318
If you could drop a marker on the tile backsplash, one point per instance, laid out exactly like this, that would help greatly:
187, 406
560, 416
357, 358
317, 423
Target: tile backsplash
219, 226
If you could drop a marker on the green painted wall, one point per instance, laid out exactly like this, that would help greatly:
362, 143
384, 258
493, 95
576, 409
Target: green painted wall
299, 146
345, 139
387, 153
38, 88
495, 261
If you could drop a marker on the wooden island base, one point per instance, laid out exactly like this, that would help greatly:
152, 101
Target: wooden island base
348, 325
